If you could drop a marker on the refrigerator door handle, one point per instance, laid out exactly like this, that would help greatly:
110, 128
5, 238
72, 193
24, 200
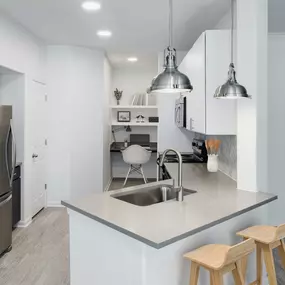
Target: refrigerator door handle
6, 200
13, 153
7, 153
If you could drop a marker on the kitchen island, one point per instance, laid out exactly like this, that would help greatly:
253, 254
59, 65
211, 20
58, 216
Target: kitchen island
115, 242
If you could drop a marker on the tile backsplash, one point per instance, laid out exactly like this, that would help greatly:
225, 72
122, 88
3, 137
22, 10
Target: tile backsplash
227, 154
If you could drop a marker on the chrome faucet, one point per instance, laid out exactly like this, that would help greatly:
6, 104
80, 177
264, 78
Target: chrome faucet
180, 195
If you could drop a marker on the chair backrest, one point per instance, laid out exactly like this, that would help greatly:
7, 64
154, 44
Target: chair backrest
135, 154
280, 232
240, 250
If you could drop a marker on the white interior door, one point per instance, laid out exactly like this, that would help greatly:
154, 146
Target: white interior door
39, 129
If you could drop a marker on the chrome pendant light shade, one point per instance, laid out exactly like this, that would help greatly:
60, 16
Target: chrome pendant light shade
231, 89
171, 80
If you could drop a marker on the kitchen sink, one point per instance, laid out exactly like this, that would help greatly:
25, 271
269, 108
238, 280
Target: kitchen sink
151, 195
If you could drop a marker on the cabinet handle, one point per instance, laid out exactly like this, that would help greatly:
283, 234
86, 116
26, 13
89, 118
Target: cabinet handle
191, 124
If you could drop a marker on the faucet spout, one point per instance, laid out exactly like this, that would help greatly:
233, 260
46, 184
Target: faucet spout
180, 195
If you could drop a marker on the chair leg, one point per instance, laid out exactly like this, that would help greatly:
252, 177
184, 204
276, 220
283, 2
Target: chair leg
145, 180
258, 264
194, 274
237, 276
269, 263
281, 252
218, 278
127, 176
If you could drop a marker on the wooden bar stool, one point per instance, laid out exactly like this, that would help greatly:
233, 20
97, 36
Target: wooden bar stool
266, 238
219, 259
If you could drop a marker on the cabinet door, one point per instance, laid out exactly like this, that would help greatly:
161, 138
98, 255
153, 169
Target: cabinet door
194, 63
16, 201
220, 113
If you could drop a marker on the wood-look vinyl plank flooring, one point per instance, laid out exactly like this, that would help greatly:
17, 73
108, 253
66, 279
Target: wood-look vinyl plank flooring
40, 254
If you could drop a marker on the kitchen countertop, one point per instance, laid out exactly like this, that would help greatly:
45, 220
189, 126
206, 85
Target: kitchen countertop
159, 225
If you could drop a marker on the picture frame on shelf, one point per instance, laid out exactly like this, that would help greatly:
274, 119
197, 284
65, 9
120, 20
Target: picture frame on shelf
123, 116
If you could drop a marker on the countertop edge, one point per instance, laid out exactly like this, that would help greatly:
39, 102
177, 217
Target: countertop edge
175, 239
111, 225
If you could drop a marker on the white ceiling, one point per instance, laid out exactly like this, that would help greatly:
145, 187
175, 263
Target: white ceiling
138, 26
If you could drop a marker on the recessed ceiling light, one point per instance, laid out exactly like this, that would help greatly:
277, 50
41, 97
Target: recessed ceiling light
104, 33
132, 59
91, 6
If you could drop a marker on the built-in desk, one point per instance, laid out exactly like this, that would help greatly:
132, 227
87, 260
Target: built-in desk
119, 146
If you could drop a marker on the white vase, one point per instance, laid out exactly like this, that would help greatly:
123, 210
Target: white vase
213, 163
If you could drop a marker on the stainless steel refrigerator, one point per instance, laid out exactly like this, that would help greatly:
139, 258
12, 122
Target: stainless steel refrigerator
7, 168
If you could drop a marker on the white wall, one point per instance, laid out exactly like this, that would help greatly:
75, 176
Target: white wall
76, 99
276, 119
24, 53
252, 33
12, 93
169, 135
106, 124
132, 80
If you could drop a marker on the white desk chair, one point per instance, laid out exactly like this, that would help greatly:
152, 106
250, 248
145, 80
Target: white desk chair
136, 156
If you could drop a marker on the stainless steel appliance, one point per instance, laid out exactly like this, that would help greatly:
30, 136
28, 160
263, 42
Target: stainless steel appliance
7, 168
180, 112
199, 155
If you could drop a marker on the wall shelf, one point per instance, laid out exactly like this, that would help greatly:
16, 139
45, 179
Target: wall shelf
134, 124
129, 107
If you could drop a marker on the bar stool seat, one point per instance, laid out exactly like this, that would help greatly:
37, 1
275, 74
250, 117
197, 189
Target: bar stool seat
266, 238
219, 259
264, 234
212, 256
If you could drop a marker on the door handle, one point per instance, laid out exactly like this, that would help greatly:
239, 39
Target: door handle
14, 152
34, 155
6, 201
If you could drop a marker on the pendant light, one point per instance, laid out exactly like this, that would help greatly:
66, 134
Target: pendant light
231, 89
170, 80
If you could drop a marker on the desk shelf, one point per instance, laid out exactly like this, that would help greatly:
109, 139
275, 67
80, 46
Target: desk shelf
134, 124
130, 107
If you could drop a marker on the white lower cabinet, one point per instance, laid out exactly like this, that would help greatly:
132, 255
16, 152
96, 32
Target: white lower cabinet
207, 64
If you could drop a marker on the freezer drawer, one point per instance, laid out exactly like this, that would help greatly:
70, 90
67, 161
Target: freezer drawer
5, 222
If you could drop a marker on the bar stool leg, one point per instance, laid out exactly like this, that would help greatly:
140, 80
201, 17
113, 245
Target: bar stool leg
281, 252
194, 274
212, 281
218, 278
237, 276
242, 266
269, 263
258, 264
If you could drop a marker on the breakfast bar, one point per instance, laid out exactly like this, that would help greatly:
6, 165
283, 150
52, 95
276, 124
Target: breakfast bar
115, 241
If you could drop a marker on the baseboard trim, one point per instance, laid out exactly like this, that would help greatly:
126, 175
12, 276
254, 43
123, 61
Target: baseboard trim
108, 185
24, 224
54, 204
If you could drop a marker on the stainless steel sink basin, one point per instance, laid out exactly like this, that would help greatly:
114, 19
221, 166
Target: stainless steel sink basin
151, 195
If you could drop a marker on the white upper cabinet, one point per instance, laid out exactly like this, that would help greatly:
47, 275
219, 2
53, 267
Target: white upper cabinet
207, 64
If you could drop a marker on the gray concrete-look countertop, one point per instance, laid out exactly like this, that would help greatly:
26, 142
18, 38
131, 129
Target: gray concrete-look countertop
159, 225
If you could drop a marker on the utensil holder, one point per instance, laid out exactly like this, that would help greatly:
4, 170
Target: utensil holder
213, 163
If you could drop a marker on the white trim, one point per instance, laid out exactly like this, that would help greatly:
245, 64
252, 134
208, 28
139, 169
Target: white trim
24, 224
54, 204
108, 185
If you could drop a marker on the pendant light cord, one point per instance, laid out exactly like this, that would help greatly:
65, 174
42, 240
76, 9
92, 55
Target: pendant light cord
170, 23
232, 32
